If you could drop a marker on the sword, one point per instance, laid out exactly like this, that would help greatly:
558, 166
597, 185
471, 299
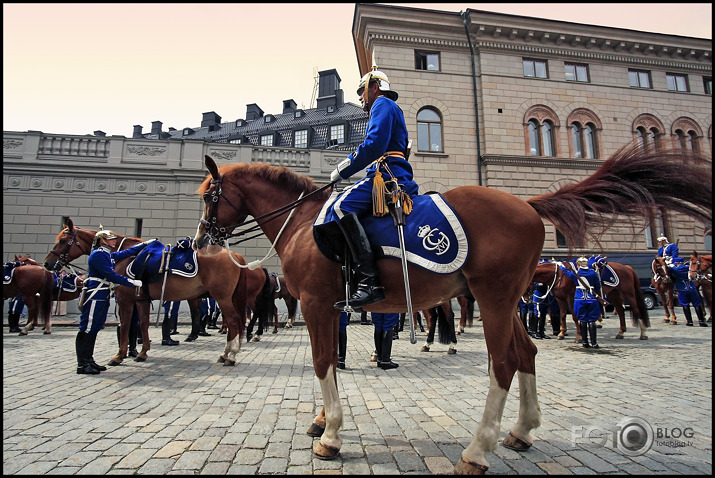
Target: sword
398, 216
165, 256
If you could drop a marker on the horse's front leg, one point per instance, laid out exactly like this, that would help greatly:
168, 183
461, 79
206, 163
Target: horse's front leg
622, 319
671, 302
123, 334
330, 442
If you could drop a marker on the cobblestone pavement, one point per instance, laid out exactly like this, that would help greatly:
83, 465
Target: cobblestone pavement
180, 412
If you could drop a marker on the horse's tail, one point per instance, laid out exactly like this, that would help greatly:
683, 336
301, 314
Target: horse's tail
640, 302
45, 301
445, 325
264, 301
240, 300
632, 182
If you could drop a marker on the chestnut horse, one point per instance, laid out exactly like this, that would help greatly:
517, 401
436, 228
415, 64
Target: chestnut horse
703, 277
505, 235
663, 284
34, 284
218, 275
290, 301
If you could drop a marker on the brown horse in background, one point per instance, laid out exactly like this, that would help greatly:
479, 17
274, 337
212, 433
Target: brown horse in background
663, 284
218, 275
628, 291
703, 265
34, 284
505, 235
290, 301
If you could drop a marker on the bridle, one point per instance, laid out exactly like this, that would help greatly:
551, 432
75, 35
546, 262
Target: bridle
220, 235
660, 272
695, 271
62, 256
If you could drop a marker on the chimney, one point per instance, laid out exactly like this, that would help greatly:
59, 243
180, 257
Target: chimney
253, 112
289, 106
329, 92
211, 120
156, 127
137, 131
99, 132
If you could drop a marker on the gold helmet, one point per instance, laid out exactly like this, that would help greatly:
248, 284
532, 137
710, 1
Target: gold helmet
582, 262
663, 238
103, 234
382, 81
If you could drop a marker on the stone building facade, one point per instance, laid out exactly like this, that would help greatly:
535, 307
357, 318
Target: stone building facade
521, 104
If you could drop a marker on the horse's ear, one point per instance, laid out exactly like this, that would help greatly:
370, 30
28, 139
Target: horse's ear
69, 224
211, 166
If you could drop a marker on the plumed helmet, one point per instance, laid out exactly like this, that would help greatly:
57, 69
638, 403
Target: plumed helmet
582, 262
662, 238
103, 234
382, 81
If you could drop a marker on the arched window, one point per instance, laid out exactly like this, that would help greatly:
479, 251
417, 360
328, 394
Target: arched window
686, 135
585, 129
540, 131
429, 131
648, 131
534, 143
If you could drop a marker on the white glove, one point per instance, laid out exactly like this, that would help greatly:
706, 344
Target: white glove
136, 282
335, 176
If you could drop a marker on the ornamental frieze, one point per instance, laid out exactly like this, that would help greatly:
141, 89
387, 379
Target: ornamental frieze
145, 150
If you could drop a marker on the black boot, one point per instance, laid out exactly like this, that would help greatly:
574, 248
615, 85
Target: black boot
402, 322
592, 331
342, 347
368, 290
688, 316
91, 339
195, 327
419, 322
556, 324
377, 336
701, 316
395, 334
80, 345
386, 363
212, 322
204, 323
584, 334
174, 324
133, 335
532, 325
542, 326
166, 333
13, 320
363, 318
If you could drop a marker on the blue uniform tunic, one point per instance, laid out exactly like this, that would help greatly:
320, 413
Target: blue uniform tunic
386, 132
668, 251
586, 307
17, 305
100, 273
687, 290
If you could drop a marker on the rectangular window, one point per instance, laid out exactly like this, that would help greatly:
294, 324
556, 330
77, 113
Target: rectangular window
576, 72
301, 138
426, 61
138, 226
267, 140
639, 78
337, 133
535, 68
708, 86
677, 82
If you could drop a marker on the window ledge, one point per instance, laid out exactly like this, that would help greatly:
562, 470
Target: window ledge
427, 154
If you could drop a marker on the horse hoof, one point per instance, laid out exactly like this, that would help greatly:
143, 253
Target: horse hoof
451, 351
515, 443
257, 338
324, 452
221, 359
643, 337
424, 349
22, 332
141, 358
665, 321
673, 322
114, 362
288, 326
275, 331
459, 333
464, 468
619, 335
315, 430
47, 332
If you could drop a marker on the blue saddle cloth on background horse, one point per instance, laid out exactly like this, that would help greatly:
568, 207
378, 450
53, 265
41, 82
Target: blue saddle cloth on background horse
149, 265
65, 283
434, 236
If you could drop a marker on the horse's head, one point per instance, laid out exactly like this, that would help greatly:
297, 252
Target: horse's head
26, 259
71, 243
218, 220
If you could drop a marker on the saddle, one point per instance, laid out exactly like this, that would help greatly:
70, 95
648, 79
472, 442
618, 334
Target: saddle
434, 236
8, 269
156, 259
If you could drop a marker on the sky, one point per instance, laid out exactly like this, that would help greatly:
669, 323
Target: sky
78, 68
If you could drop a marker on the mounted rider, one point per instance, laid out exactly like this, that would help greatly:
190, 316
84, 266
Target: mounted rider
382, 153
667, 250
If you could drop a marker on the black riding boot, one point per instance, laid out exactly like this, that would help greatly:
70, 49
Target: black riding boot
395, 334
419, 322
701, 316
342, 347
584, 333
556, 324
204, 323
377, 336
402, 322
532, 325
13, 320
368, 290
386, 363
195, 327
133, 336
688, 316
214, 319
80, 345
592, 331
89, 352
363, 318
174, 324
166, 333
542, 326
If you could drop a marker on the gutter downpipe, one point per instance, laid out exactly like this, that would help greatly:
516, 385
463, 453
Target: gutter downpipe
465, 18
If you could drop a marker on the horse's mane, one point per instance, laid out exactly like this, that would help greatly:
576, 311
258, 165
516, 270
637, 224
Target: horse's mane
285, 178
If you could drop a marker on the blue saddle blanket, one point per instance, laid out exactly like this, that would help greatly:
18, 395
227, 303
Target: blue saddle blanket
434, 236
66, 283
609, 276
147, 265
